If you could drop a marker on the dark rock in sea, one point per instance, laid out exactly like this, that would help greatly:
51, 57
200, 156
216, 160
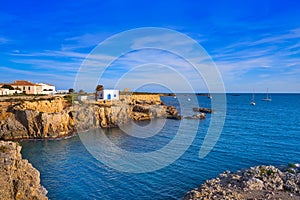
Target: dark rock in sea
18, 178
203, 110
261, 182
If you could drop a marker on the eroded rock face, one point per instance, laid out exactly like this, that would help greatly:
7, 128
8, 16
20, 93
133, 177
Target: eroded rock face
49, 106
18, 178
261, 182
29, 121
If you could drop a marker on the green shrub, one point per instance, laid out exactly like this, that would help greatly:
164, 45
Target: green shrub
292, 165
291, 171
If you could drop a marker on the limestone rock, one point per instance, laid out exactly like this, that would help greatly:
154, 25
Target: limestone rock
49, 119
18, 178
261, 182
56, 104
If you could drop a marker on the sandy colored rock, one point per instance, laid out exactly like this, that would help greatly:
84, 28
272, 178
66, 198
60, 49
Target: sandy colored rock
18, 178
49, 106
49, 119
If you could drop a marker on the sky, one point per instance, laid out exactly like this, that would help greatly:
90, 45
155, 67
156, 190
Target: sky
254, 45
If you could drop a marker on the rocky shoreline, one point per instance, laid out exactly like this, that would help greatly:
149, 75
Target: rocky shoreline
260, 182
18, 178
55, 118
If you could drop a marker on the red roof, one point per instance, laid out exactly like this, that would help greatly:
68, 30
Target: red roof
22, 82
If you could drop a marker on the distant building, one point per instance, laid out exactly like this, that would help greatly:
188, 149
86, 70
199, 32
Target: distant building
47, 88
107, 94
82, 98
26, 87
4, 91
62, 91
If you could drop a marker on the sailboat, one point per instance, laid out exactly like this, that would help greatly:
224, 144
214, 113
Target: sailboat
209, 96
267, 97
252, 103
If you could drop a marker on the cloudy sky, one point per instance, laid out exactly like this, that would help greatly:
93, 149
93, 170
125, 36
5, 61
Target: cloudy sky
254, 44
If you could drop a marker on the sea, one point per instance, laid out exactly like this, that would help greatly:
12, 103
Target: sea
265, 134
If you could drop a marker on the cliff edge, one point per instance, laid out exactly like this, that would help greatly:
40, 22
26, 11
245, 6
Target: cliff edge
54, 118
18, 178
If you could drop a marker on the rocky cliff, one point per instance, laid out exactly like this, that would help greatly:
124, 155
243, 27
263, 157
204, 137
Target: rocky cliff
54, 118
18, 178
261, 182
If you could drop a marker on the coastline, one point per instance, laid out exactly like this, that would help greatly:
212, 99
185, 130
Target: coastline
214, 187
57, 117
259, 182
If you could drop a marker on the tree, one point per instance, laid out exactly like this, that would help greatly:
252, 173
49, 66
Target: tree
71, 90
7, 87
81, 92
99, 88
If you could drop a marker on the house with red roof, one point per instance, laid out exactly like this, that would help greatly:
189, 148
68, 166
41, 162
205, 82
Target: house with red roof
27, 87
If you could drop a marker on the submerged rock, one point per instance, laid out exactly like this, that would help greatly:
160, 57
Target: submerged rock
18, 178
197, 116
261, 182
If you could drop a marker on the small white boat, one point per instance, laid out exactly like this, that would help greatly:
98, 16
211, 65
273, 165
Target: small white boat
252, 103
267, 97
209, 96
189, 99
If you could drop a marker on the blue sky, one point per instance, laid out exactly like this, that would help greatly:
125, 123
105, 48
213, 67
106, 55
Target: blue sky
254, 44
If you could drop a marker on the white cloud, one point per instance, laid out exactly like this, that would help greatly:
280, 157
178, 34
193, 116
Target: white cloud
4, 40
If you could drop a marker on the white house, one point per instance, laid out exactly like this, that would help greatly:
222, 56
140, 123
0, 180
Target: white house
62, 91
108, 94
47, 88
4, 91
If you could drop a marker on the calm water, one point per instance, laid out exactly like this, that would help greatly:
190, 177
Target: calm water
268, 133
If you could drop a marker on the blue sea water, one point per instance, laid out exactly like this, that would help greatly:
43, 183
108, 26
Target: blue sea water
268, 133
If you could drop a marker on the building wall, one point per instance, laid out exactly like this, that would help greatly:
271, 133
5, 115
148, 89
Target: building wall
4, 91
108, 94
111, 94
28, 89
46, 89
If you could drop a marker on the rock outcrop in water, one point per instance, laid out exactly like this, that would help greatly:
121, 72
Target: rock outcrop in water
18, 178
203, 110
54, 118
261, 182
197, 116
